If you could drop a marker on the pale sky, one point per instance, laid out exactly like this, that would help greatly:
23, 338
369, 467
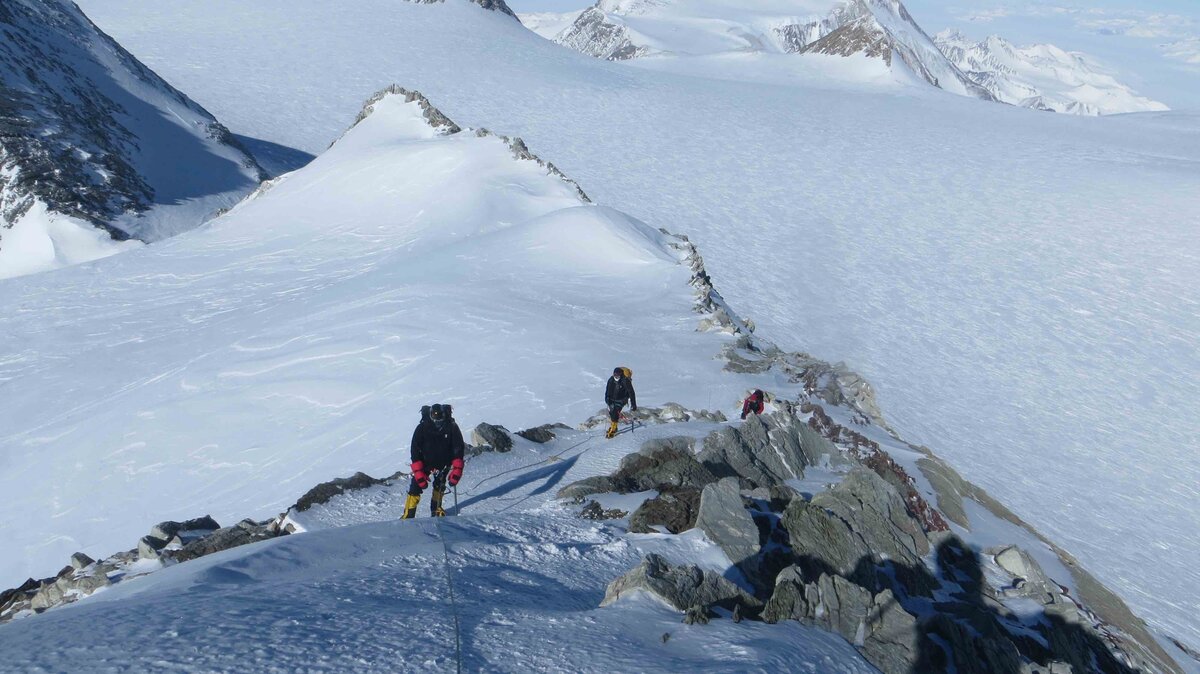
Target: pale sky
1152, 46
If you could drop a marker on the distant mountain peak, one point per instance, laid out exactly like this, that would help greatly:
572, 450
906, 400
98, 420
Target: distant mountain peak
1040, 76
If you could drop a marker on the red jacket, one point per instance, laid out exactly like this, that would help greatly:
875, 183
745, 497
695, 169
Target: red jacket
753, 403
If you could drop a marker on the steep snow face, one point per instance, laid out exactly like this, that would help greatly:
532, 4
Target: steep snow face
1041, 76
295, 338
1017, 286
90, 135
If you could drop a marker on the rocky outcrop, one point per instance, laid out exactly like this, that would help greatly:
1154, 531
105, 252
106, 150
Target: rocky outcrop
593, 34
681, 587
669, 413
675, 509
883, 631
496, 438
325, 491
766, 450
660, 463
490, 5
724, 520
544, 433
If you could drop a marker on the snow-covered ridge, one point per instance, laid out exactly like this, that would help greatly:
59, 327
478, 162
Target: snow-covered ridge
1041, 76
827, 410
93, 138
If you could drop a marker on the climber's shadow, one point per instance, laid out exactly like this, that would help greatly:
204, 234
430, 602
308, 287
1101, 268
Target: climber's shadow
962, 628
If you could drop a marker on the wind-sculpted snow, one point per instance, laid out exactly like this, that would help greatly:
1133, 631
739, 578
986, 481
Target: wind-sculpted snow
90, 136
296, 337
1019, 287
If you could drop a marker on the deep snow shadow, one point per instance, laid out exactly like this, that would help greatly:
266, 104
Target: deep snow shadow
274, 158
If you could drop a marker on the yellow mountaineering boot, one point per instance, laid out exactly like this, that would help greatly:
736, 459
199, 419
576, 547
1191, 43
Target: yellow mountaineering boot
435, 503
410, 506
612, 431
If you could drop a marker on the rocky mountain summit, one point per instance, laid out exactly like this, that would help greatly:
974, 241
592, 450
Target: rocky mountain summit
90, 134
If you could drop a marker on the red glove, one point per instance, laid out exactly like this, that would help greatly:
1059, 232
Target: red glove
419, 474
456, 467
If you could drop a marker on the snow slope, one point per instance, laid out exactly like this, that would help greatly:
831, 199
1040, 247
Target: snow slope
295, 338
93, 138
1041, 76
1020, 288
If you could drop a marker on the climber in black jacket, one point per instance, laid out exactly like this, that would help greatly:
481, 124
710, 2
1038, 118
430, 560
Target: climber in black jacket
617, 394
437, 451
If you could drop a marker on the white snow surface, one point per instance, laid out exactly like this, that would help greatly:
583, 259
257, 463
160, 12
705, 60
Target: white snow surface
365, 592
1020, 288
1041, 76
294, 339
41, 240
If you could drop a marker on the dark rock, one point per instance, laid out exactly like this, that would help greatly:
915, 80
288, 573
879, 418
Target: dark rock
697, 615
765, 450
165, 531
597, 484
80, 560
542, 434
887, 635
325, 491
822, 542
496, 437
224, 539
674, 509
682, 587
876, 512
662, 464
594, 511
725, 521
149, 547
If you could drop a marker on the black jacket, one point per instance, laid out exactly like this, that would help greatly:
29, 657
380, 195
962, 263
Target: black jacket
437, 448
619, 392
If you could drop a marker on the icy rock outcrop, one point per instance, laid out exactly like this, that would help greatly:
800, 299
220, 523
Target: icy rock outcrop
724, 520
497, 438
674, 509
593, 34
886, 634
544, 433
682, 587
490, 5
660, 463
766, 450
667, 414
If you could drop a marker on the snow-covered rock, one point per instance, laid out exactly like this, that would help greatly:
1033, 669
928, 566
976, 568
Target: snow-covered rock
1041, 76
91, 138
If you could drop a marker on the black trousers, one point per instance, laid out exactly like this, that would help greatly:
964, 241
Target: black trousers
437, 477
614, 410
